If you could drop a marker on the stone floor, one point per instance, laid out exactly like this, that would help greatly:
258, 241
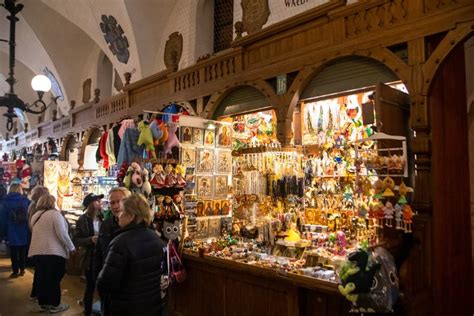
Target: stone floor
14, 293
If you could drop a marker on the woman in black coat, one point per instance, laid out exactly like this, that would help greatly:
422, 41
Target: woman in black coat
130, 280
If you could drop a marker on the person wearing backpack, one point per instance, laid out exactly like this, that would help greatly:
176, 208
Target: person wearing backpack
14, 222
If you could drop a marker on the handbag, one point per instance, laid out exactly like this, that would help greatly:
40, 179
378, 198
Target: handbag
176, 270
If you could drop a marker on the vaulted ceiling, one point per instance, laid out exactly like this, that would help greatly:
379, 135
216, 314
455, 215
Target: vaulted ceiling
65, 37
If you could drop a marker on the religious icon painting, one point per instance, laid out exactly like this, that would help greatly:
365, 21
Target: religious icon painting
204, 187
198, 136
204, 160
186, 135
217, 207
220, 187
208, 208
214, 227
223, 161
200, 208
188, 156
209, 138
224, 136
225, 207
202, 228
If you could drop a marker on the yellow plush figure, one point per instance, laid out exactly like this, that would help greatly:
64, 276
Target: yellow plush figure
146, 138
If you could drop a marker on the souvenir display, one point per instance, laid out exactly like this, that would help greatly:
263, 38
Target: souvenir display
198, 136
204, 160
188, 156
209, 138
223, 161
224, 137
186, 135
204, 187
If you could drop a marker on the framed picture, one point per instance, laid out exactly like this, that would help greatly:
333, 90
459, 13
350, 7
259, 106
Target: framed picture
200, 208
209, 138
224, 134
220, 187
208, 208
204, 187
223, 161
188, 156
214, 227
202, 228
225, 206
198, 136
204, 160
186, 135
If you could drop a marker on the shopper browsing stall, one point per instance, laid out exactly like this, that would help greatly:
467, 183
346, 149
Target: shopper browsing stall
14, 226
86, 235
50, 247
130, 279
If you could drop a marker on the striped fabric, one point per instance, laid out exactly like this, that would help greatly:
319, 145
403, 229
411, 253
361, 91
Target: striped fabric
50, 235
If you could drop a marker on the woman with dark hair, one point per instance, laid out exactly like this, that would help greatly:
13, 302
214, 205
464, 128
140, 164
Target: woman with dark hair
14, 226
130, 281
35, 195
85, 236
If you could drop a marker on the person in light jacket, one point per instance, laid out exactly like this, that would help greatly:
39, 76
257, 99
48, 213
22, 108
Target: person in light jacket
35, 195
50, 247
14, 226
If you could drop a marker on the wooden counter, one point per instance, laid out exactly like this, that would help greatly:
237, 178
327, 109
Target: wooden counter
222, 287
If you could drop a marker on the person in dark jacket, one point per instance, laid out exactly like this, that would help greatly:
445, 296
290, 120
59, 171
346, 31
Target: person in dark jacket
109, 226
130, 280
85, 236
14, 226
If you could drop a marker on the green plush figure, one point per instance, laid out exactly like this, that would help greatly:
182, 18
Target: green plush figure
356, 275
146, 138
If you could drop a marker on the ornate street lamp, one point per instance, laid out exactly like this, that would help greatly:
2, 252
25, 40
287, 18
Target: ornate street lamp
40, 83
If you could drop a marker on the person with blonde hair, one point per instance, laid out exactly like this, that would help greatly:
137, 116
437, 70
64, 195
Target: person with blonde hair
130, 281
37, 192
50, 247
14, 227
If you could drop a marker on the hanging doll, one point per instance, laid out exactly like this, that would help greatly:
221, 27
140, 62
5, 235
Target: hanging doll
407, 217
156, 132
388, 211
146, 138
173, 140
398, 217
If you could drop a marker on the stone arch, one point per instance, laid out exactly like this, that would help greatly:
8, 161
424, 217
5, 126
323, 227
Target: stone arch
379, 54
66, 146
90, 136
219, 96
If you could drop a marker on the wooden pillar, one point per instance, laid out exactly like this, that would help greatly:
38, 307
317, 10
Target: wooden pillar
451, 239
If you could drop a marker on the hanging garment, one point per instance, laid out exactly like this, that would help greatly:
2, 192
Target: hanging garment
117, 139
109, 148
128, 123
129, 149
102, 150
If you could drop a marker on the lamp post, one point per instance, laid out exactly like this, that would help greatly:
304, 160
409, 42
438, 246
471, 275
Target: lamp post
40, 83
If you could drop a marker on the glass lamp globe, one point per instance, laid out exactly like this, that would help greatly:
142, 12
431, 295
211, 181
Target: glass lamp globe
41, 83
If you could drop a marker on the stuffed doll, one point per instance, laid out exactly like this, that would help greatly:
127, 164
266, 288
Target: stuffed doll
146, 187
357, 275
170, 180
180, 181
173, 140
157, 177
146, 138
134, 178
156, 132
164, 130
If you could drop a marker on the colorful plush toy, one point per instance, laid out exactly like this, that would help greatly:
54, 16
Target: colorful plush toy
164, 130
146, 138
173, 140
357, 275
156, 131
136, 180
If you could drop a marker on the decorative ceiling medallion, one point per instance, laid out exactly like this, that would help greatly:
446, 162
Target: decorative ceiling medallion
173, 51
113, 35
255, 14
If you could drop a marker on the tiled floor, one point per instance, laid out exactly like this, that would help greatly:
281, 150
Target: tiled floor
14, 293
